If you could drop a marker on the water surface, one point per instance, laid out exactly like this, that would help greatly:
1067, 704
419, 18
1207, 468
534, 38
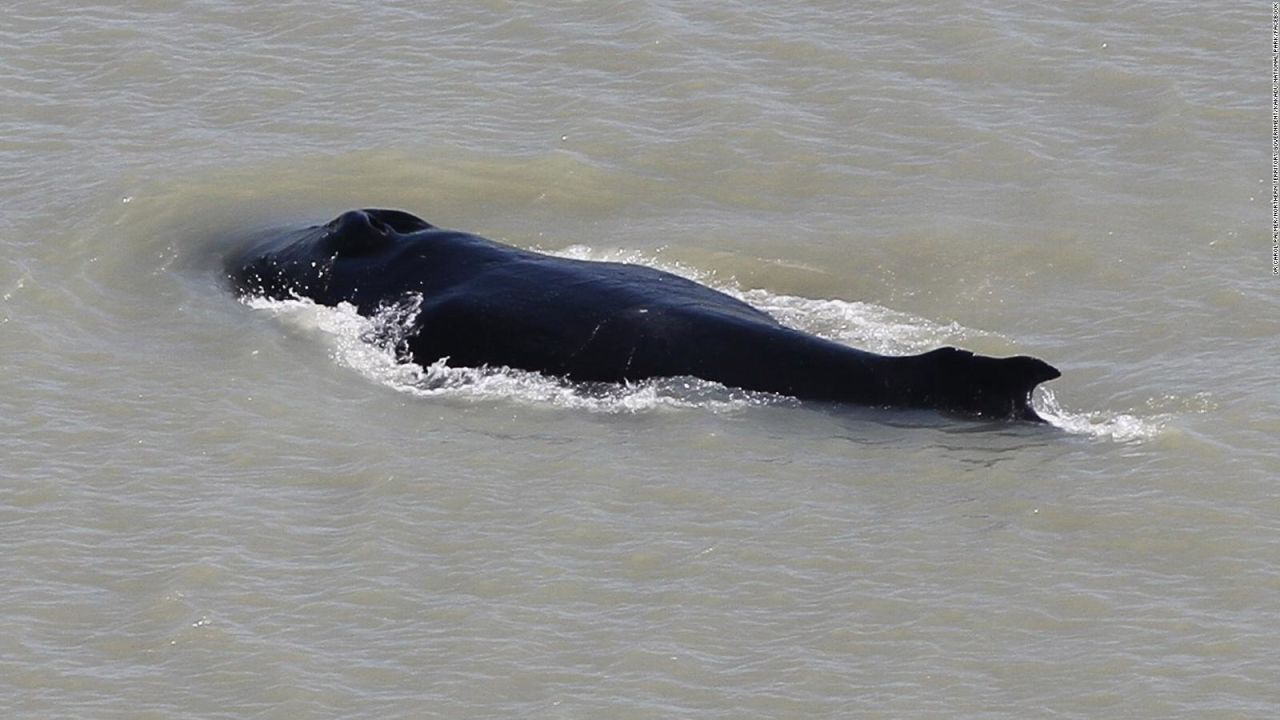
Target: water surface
213, 509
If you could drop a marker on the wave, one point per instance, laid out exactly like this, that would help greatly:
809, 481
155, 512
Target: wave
370, 346
1105, 424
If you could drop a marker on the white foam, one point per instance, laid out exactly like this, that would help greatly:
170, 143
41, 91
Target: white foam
863, 325
370, 346
1120, 427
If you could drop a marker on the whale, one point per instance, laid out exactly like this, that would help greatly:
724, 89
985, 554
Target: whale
481, 303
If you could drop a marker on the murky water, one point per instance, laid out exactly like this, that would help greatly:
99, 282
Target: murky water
217, 509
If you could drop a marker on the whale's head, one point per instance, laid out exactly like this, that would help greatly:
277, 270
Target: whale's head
321, 262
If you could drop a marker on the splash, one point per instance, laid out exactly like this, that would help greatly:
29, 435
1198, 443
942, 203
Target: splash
374, 347
1120, 427
863, 325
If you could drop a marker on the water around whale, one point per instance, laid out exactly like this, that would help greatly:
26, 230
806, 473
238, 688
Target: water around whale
472, 302
213, 511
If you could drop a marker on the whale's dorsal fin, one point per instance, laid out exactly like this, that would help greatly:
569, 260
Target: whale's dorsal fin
986, 386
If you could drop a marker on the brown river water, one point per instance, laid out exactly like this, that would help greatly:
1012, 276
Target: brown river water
218, 509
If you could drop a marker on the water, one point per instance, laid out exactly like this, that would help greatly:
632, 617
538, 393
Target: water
212, 509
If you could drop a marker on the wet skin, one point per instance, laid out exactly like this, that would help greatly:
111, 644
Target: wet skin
485, 303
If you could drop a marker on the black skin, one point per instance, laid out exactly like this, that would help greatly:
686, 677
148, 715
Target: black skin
485, 303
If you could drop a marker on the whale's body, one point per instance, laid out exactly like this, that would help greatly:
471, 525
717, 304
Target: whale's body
485, 303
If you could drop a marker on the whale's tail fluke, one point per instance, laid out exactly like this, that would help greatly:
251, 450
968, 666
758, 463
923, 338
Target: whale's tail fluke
963, 382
